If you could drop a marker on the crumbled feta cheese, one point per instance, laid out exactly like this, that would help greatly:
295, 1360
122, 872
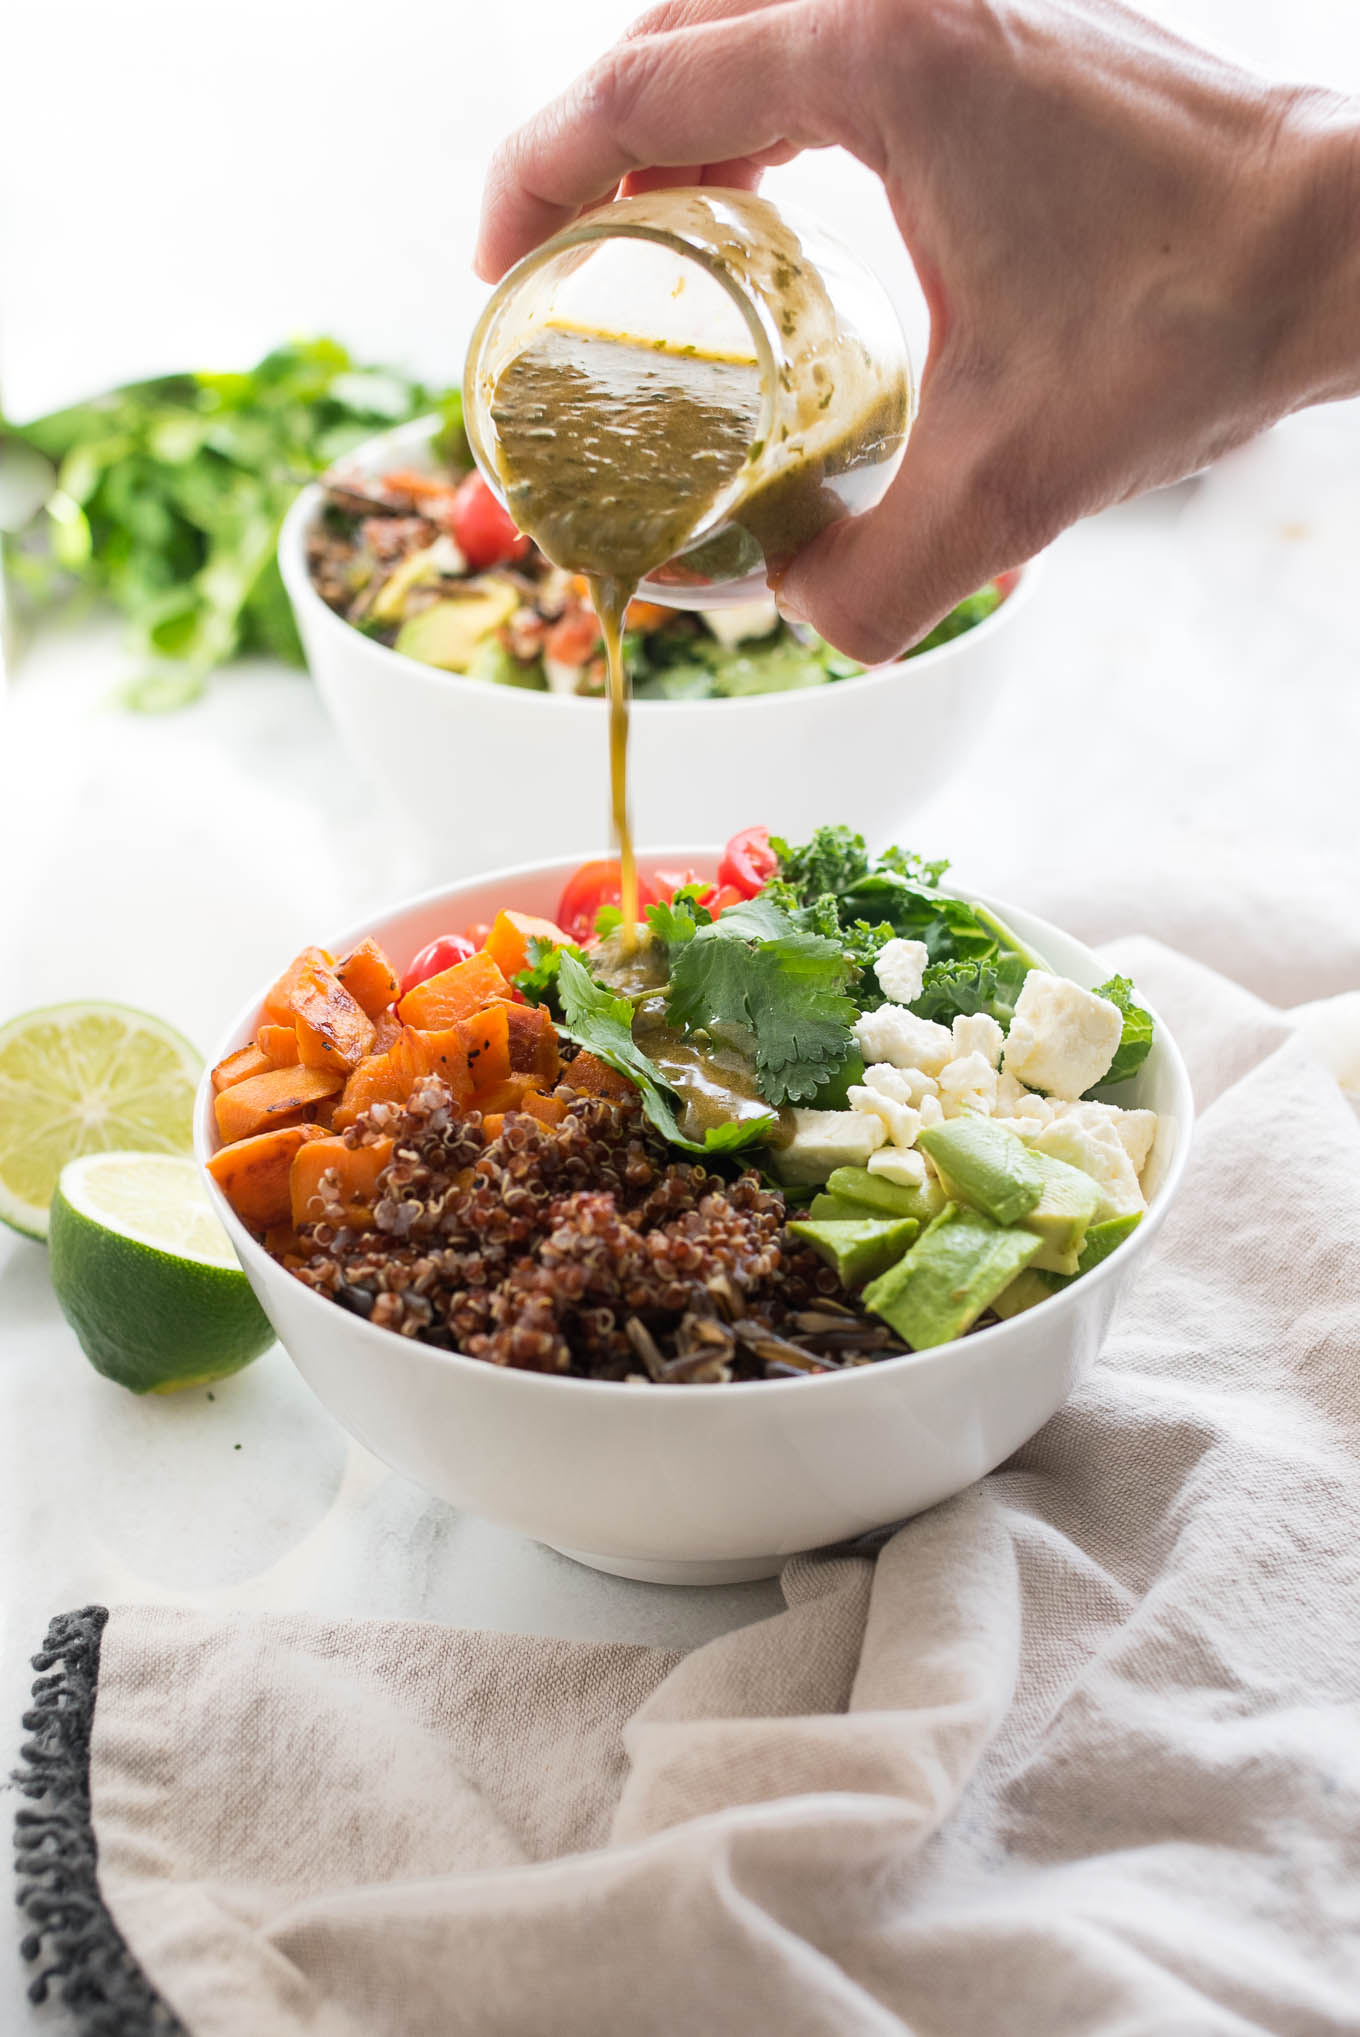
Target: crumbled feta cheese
1026, 1128
903, 1085
823, 1139
968, 1084
743, 620
1098, 1150
900, 1120
900, 967
1014, 1100
908, 1170
931, 1111
1135, 1129
903, 1040
1062, 1038
978, 1033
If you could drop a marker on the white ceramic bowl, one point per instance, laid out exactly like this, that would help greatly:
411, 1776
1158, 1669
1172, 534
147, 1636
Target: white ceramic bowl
475, 773
699, 1484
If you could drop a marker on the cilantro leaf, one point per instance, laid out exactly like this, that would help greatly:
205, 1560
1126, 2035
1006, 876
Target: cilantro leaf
757, 971
953, 988
674, 921
603, 1024
539, 980
1136, 1040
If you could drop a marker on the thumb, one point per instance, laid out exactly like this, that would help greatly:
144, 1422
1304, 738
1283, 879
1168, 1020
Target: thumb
873, 585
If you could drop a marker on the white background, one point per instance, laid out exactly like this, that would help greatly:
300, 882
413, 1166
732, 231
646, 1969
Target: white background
184, 185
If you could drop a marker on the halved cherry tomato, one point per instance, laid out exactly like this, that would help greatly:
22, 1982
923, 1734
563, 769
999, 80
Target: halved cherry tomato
719, 900
484, 533
439, 955
586, 890
665, 883
477, 932
748, 862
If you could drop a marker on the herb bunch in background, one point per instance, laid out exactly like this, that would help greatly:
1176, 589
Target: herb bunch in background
169, 495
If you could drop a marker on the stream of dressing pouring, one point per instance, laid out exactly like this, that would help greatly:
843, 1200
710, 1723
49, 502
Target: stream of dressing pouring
614, 447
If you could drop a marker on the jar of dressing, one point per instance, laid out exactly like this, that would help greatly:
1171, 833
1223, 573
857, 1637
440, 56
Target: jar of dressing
679, 391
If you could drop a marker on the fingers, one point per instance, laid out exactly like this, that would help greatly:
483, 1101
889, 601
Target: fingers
738, 88
875, 584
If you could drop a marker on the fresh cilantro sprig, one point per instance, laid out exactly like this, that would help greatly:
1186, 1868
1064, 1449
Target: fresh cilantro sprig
755, 970
603, 1024
539, 980
1135, 1041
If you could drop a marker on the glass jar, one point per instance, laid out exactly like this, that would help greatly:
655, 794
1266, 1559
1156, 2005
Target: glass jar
728, 275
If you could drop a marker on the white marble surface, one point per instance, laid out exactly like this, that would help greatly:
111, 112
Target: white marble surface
1185, 708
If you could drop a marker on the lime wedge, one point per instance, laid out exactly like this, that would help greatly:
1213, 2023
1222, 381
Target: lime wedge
146, 1275
86, 1078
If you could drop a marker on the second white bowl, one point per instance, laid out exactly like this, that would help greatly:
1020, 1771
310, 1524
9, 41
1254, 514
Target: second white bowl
475, 773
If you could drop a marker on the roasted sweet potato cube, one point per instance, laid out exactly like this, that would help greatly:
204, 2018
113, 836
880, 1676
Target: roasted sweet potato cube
356, 1170
454, 994
486, 1042
445, 1055
237, 1067
383, 1078
279, 1045
386, 1030
281, 1096
508, 942
596, 1078
278, 1006
253, 1174
369, 977
505, 1096
549, 1110
333, 1029
533, 1043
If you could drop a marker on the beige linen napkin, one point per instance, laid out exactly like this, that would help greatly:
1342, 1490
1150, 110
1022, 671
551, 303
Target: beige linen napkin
1076, 1755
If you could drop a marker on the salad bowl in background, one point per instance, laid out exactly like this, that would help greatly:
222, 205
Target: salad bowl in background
474, 772
699, 1484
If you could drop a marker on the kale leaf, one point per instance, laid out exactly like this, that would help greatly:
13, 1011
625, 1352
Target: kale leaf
952, 989
1136, 1039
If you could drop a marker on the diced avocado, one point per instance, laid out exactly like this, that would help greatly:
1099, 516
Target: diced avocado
838, 1209
859, 1250
494, 661
834, 1093
1102, 1239
448, 632
417, 566
882, 1198
985, 1166
1024, 1291
955, 1270
1062, 1213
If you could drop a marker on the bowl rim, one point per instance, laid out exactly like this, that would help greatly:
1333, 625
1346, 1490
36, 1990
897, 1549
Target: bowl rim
205, 1142
292, 561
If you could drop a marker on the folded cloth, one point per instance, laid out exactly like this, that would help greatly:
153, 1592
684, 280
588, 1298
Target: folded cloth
1076, 1754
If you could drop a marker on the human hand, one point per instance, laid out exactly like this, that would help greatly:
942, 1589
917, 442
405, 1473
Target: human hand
1135, 255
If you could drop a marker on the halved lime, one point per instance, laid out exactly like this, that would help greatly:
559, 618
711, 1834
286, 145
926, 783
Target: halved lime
86, 1078
146, 1275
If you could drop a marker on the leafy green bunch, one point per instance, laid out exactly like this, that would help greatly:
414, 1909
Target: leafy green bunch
169, 494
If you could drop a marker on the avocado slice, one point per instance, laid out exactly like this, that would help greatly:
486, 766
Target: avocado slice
1024, 1291
838, 1209
985, 1166
448, 632
956, 1269
1102, 1239
876, 1196
1062, 1214
858, 1249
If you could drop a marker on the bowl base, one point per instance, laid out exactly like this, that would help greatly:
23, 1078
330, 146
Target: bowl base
661, 1570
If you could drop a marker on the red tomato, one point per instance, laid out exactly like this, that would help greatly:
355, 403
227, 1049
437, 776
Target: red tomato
1005, 582
590, 887
438, 956
482, 530
477, 933
748, 862
665, 883
719, 900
